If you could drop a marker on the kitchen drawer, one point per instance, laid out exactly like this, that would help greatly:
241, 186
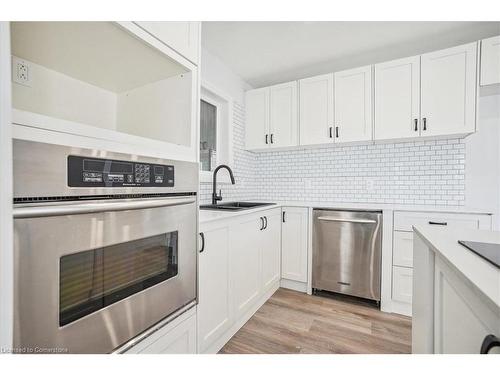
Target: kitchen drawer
402, 279
402, 253
404, 221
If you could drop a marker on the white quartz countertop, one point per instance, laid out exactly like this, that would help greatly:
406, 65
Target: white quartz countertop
211, 215
484, 275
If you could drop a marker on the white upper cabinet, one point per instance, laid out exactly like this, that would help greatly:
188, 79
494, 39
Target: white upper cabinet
353, 105
431, 95
397, 99
490, 61
283, 130
448, 96
316, 110
181, 36
272, 117
257, 118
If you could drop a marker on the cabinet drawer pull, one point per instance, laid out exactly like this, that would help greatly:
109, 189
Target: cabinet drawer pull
202, 235
331, 131
283, 216
267, 136
265, 218
425, 123
416, 124
261, 223
438, 223
336, 132
272, 138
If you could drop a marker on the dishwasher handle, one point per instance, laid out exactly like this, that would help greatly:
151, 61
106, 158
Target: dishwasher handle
347, 220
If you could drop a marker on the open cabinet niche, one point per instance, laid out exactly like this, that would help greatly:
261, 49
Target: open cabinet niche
99, 74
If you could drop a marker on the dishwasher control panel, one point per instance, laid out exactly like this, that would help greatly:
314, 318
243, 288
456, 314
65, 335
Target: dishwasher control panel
94, 172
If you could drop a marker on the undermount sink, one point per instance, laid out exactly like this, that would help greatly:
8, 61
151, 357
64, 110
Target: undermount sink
234, 206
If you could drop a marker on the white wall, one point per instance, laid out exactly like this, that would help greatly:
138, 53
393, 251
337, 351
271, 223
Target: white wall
159, 110
217, 74
220, 78
57, 95
482, 163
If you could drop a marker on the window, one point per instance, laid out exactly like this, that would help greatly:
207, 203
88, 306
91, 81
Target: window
208, 136
93, 279
216, 111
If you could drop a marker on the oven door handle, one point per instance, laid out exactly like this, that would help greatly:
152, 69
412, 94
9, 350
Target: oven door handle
88, 208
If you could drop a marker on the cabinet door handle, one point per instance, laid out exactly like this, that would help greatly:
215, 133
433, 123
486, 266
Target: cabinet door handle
265, 218
261, 223
272, 138
489, 342
202, 235
336, 132
438, 223
416, 124
424, 120
331, 131
267, 142
283, 216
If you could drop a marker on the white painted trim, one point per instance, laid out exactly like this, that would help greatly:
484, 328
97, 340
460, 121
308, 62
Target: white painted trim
400, 308
206, 176
294, 285
30, 125
219, 343
6, 224
147, 37
309, 250
386, 264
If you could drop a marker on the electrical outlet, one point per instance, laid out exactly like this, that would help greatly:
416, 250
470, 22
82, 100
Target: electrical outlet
21, 72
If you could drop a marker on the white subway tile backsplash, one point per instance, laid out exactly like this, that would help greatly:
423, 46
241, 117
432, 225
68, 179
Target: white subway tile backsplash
430, 172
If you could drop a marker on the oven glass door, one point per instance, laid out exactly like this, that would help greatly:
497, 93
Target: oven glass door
93, 279
90, 281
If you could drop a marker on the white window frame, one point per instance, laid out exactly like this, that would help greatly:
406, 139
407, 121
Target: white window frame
224, 125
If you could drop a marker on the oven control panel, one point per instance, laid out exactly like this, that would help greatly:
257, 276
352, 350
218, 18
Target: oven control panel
93, 172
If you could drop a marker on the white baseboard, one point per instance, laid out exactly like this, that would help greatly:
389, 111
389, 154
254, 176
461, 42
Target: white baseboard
294, 285
401, 308
221, 341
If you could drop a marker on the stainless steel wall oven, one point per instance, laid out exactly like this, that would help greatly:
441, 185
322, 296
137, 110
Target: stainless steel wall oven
105, 246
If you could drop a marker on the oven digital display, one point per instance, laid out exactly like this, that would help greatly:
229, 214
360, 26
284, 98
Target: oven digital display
93, 172
94, 165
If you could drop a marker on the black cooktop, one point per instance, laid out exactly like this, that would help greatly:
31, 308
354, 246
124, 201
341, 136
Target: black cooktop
487, 251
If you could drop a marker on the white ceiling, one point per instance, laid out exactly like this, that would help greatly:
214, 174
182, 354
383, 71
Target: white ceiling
264, 53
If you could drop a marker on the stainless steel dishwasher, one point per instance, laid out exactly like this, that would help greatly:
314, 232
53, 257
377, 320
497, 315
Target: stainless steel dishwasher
347, 249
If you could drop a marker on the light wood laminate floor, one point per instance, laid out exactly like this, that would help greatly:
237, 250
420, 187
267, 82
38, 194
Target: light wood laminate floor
293, 322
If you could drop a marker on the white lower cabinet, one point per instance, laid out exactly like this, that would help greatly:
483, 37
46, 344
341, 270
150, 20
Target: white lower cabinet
271, 250
176, 337
402, 247
239, 268
402, 278
461, 318
246, 261
214, 304
451, 315
294, 242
